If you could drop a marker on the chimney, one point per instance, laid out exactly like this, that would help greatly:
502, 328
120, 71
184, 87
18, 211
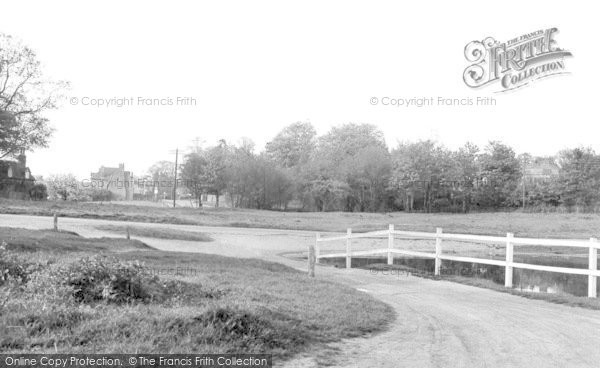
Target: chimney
22, 159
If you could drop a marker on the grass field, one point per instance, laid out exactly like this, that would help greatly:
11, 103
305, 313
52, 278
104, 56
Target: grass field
550, 225
60, 292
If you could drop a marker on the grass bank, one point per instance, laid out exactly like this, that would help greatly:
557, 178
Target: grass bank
155, 232
63, 293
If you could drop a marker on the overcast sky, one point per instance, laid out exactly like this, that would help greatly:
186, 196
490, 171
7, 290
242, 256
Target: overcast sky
255, 67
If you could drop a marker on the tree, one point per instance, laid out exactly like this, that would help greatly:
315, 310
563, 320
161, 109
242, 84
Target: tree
293, 145
466, 173
347, 140
214, 178
579, 180
501, 173
367, 174
332, 171
239, 169
25, 95
419, 169
64, 187
193, 172
326, 192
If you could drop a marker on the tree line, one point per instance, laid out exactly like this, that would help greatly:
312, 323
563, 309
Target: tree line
350, 168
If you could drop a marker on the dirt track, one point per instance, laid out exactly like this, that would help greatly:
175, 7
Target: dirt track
439, 324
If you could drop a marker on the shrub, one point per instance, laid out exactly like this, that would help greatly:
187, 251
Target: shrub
99, 195
251, 331
38, 192
12, 267
106, 279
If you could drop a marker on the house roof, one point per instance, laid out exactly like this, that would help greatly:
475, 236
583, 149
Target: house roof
110, 172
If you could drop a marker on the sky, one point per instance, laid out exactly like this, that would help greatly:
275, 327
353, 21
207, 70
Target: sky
248, 69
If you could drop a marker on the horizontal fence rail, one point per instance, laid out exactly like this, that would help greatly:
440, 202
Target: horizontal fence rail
509, 241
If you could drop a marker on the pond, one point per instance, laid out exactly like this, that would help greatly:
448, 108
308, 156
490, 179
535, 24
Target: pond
524, 280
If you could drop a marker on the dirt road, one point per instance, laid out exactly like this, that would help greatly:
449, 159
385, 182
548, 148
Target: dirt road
439, 324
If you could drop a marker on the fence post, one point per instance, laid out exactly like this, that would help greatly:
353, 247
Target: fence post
390, 260
311, 260
348, 249
438, 251
128, 235
508, 269
55, 222
317, 250
593, 267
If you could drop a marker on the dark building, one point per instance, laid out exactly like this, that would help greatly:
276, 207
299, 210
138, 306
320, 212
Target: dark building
16, 180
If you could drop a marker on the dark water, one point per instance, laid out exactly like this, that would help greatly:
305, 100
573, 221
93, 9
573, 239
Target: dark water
525, 280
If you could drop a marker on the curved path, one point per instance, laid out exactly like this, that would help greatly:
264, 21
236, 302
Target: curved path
439, 324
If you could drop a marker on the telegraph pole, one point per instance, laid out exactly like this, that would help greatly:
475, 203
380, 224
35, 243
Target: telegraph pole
175, 181
523, 183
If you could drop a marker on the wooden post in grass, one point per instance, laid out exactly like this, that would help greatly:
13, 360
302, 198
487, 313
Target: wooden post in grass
128, 235
311, 260
317, 250
438, 251
390, 260
55, 222
508, 269
593, 266
348, 248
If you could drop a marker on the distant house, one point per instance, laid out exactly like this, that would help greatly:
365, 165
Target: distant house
16, 180
116, 180
541, 169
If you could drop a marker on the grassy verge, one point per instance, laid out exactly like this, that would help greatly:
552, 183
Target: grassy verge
159, 233
64, 293
57, 243
550, 225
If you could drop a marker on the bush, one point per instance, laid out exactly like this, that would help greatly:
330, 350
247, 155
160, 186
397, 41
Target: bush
38, 192
99, 195
13, 268
261, 330
107, 279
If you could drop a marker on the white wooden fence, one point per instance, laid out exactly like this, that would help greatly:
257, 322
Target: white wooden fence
510, 241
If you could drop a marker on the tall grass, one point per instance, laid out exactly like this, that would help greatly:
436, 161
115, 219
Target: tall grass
97, 299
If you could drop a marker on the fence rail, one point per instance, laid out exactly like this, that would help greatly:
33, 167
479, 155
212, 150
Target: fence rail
509, 241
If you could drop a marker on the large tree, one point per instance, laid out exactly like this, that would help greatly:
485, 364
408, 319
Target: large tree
579, 181
501, 173
347, 140
293, 145
337, 177
367, 174
25, 96
418, 172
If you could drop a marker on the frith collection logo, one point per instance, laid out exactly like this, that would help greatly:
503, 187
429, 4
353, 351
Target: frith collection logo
515, 63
